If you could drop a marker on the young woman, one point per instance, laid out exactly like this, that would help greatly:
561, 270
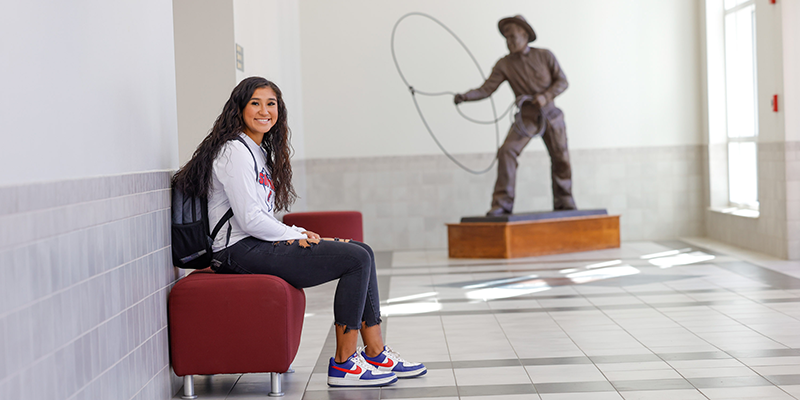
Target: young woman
243, 165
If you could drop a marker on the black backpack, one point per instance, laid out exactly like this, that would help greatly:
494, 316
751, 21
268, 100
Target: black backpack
191, 239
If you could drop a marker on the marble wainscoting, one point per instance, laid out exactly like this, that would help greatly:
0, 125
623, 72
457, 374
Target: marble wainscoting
768, 233
85, 269
406, 201
792, 171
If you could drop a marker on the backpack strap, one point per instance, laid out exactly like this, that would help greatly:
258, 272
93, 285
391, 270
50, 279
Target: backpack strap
228, 215
255, 164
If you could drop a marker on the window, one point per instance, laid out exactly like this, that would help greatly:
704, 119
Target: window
740, 102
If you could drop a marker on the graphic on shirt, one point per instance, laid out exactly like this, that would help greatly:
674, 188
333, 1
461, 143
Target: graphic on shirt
265, 180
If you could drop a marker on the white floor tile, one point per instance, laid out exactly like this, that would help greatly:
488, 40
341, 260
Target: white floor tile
502, 397
633, 366
582, 396
698, 364
768, 361
747, 393
433, 378
716, 372
689, 394
562, 325
564, 373
491, 376
642, 375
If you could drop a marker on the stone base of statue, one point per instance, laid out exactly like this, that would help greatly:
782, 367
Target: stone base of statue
533, 234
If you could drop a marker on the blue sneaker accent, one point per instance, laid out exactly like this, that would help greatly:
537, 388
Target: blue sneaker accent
357, 372
389, 361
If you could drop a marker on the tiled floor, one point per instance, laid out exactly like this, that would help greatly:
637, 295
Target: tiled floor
705, 321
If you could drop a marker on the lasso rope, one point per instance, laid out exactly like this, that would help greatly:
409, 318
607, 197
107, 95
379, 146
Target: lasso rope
415, 91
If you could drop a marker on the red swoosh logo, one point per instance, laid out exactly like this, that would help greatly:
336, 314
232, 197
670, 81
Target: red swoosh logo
387, 364
356, 371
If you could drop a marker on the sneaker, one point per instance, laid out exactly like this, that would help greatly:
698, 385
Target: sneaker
357, 372
390, 361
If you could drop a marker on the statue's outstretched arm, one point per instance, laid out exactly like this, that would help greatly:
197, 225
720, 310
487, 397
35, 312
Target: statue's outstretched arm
492, 83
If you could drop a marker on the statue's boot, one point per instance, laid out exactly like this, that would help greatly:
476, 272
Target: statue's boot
497, 211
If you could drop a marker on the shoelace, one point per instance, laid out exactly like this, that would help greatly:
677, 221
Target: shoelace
394, 355
360, 361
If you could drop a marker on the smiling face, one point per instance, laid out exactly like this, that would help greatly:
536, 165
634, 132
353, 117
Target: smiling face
261, 113
516, 38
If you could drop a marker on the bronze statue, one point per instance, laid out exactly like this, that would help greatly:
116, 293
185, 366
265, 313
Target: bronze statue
536, 79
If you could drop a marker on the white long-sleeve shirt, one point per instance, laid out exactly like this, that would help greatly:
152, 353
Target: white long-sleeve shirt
234, 185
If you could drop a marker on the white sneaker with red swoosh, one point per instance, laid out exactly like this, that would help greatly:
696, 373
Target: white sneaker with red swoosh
357, 372
390, 361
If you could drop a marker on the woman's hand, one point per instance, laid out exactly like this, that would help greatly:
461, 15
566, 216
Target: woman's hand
311, 235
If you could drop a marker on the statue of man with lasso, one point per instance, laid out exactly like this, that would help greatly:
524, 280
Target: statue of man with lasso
536, 79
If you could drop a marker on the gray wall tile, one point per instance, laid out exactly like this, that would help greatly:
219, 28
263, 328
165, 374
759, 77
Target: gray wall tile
84, 273
770, 232
664, 191
392, 191
5, 356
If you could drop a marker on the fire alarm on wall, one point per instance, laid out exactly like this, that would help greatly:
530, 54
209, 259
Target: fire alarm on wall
775, 102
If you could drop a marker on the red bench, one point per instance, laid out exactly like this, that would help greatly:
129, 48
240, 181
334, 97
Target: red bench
232, 324
341, 224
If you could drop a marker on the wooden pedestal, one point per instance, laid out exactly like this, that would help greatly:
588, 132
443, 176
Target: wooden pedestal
532, 238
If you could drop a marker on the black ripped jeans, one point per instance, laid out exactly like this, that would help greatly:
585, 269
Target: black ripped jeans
352, 263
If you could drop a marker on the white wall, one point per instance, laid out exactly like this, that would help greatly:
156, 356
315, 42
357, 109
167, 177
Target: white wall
791, 64
775, 231
789, 104
205, 61
633, 67
269, 32
87, 89
206, 35
770, 65
87, 113
770, 70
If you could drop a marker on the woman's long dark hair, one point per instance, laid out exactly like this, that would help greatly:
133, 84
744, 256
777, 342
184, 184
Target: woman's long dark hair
194, 178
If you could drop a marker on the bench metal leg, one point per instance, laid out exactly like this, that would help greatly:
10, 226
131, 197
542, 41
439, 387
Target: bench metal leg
188, 387
276, 385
